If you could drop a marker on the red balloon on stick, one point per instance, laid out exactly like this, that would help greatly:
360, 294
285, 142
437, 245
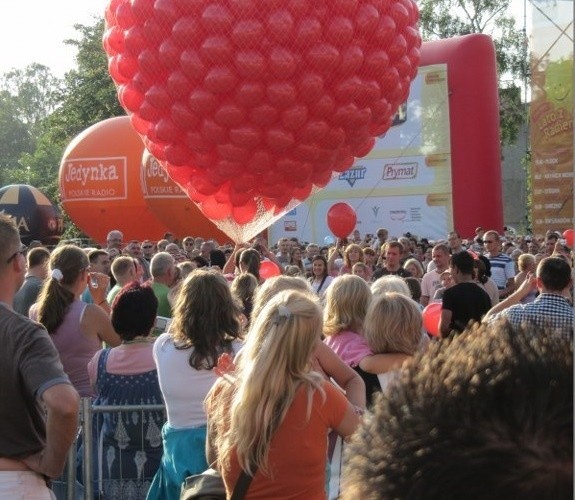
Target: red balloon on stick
568, 235
431, 315
269, 269
341, 219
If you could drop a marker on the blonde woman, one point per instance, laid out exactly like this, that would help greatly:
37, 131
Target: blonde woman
390, 283
77, 329
205, 324
324, 360
271, 418
392, 327
414, 267
526, 266
346, 303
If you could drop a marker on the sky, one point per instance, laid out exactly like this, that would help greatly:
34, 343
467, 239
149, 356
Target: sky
35, 30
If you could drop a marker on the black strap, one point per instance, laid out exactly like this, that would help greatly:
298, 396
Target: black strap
242, 486
321, 284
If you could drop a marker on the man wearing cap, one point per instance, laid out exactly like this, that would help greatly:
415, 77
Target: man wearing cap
38, 405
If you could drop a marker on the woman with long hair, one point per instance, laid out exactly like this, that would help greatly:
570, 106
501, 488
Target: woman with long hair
296, 259
77, 329
483, 278
205, 324
271, 417
346, 304
320, 278
130, 449
392, 326
249, 262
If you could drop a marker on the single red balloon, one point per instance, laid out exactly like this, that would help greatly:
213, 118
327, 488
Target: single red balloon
431, 315
341, 219
269, 269
568, 235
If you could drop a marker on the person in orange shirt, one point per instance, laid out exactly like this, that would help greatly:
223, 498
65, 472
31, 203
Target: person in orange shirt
270, 418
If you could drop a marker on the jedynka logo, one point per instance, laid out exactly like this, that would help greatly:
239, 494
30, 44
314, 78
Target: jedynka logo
394, 171
353, 174
84, 173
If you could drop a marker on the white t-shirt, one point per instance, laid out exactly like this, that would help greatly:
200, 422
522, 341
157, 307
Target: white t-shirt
315, 285
184, 388
430, 283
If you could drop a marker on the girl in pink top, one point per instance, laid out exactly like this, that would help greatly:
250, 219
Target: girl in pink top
347, 300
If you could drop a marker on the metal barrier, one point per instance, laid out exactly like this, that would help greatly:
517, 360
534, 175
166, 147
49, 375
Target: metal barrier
86, 436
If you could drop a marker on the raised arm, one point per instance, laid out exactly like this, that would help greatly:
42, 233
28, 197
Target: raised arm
331, 269
516, 297
230, 265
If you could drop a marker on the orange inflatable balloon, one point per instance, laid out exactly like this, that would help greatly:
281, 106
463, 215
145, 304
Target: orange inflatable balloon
431, 315
172, 206
100, 183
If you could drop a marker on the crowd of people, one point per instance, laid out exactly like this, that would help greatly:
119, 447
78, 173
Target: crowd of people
263, 375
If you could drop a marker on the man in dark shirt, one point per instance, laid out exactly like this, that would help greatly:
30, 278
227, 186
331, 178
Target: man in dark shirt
392, 264
38, 405
465, 301
37, 272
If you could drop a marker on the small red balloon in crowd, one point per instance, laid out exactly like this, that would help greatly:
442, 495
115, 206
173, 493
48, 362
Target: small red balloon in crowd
257, 105
568, 235
341, 219
431, 316
269, 269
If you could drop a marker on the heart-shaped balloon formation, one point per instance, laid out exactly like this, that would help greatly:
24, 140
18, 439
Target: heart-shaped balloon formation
252, 105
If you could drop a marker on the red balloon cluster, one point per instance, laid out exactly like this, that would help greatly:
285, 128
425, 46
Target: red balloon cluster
253, 105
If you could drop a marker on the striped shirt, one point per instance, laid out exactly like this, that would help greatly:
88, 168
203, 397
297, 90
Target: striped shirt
502, 269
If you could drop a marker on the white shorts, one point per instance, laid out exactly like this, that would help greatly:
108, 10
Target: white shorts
24, 485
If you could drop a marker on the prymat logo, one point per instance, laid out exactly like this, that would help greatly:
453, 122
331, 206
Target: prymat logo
94, 179
396, 171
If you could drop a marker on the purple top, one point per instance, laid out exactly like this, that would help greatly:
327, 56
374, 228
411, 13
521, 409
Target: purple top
75, 348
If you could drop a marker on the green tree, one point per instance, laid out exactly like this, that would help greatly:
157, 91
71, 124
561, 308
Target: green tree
35, 92
441, 19
90, 94
15, 139
86, 96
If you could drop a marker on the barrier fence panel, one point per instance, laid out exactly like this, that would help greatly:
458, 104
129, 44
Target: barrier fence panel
120, 448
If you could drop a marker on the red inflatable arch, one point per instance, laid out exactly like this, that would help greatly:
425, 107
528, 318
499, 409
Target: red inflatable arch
474, 124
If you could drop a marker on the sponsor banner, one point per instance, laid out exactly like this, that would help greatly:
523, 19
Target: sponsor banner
155, 181
552, 116
101, 179
404, 184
